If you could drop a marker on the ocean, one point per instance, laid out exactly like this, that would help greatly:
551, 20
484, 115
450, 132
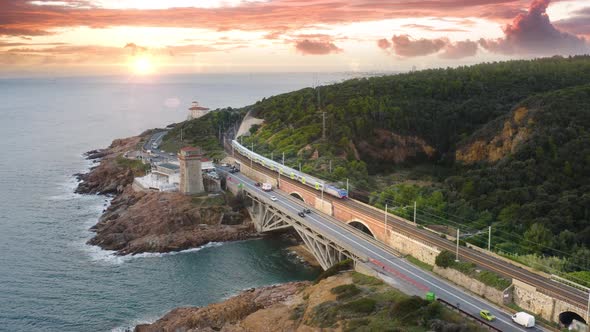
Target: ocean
50, 280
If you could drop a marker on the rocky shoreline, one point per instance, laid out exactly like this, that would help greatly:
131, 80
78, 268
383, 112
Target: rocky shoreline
346, 301
138, 222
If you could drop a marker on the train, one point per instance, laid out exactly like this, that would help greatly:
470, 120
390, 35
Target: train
293, 174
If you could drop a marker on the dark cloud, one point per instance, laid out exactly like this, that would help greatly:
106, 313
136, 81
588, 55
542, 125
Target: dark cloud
459, 50
316, 47
405, 46
533, 33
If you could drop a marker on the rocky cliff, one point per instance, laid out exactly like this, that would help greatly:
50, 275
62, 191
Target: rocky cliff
347, 301
138, 222
388, 146
497, 139
110, 176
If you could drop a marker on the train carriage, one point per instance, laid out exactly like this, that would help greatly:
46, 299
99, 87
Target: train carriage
293, 174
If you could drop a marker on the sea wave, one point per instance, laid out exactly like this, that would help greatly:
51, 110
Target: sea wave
109, 256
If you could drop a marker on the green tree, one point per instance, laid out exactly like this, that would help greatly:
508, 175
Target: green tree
508, 214
445, 259
537, 238
567, 169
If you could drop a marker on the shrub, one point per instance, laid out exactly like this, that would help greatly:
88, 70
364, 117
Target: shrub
361, 306
356, 324
409, 309
345, 291
338, 267
297, 312
445, 259
494, 280
363, 279
580, 277
325, 314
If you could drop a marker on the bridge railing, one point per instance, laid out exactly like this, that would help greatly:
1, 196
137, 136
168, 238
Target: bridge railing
470, 316
344, 246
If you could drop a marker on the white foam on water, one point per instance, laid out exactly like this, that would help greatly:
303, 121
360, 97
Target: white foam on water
162, 254
98, 254
135, 322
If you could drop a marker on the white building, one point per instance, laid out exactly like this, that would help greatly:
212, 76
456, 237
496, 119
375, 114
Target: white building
197, 111
166, 176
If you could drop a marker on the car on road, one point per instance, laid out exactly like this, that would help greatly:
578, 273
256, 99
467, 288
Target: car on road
308, 211
524, 319
485, 314
171, 153
257, 184
273, 198
301, 214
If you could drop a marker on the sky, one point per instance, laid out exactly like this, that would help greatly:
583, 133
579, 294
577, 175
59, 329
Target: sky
148, 37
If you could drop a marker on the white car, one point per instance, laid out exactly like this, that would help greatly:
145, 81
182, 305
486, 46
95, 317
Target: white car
273, 198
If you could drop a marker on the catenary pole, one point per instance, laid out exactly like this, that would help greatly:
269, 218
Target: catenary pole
457, 254
385, 223
490, 238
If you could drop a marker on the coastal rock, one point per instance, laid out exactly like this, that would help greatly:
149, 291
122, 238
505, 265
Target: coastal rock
221, 316
348, 301
110, 176
138, 222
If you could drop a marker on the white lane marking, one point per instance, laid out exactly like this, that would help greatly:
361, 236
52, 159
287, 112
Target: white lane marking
396, 265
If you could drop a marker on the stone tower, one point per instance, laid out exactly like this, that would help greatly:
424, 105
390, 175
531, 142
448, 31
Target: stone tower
191, 179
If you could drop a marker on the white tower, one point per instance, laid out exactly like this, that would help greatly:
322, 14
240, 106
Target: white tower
197, 111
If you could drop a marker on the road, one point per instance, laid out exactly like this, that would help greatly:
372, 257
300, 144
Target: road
545, 285
387, 261
153, 144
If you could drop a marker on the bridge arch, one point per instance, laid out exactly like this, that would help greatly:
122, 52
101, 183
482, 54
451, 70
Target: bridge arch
298, 196
567, 317
362, 226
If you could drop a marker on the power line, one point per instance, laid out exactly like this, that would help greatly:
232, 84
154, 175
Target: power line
520, 238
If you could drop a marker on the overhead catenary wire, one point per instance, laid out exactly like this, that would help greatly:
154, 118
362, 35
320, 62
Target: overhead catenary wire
466, 225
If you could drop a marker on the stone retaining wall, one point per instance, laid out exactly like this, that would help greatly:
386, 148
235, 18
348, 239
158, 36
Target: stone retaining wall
471, 284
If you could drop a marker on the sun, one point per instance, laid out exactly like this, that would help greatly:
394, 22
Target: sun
142, 65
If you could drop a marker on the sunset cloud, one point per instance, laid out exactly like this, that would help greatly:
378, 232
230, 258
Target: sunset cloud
405, 46
316, 47
20, 17
384, 44
430, 28
459, 50
578, 24
532, 33
229, 34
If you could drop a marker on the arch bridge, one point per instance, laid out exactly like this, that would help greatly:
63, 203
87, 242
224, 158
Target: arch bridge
268, 216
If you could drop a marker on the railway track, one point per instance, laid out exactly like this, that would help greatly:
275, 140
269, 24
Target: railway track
552, 288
